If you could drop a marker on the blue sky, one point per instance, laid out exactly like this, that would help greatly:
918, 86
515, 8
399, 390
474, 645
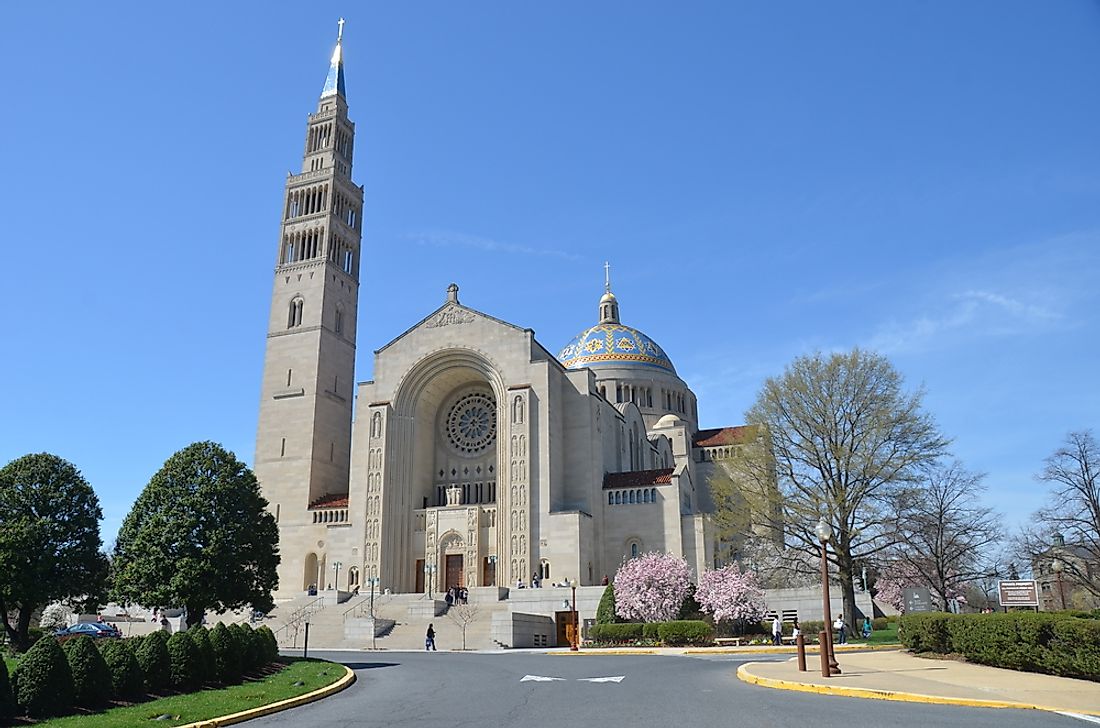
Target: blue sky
767, 180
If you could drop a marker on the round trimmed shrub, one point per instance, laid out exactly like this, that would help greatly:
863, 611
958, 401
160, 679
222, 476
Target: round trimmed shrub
43, 680
201, 636
271, 644
244, 646
91, 677
227, 658
127, 680
184, 660
152, 658
7, 700
259, 649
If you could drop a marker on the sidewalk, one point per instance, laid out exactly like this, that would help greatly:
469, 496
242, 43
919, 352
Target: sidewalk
901, 676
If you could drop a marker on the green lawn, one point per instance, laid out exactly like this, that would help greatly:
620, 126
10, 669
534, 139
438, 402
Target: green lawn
888, 636
208, 704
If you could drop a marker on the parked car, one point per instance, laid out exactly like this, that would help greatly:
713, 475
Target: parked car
95, 630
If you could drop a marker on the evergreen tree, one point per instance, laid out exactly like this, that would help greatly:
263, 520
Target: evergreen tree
43, 680
91, 676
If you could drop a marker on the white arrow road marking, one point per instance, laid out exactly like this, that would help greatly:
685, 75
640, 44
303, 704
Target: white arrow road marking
616, 679
1079, 716
539, 678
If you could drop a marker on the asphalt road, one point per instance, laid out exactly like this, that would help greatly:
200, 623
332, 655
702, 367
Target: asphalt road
460, 690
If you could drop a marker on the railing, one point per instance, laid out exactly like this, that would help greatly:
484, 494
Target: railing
296, 619
362, 609
330, 515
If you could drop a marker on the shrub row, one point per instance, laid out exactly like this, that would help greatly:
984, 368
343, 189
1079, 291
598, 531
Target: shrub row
675, 633
50, 680
1052, 643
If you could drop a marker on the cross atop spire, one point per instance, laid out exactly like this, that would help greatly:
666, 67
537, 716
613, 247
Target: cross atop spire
609, 305
606, 277
334, 83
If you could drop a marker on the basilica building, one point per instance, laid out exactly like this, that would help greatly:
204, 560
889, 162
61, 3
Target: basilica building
477, 456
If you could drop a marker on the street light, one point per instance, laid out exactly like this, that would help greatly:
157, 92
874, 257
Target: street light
573, 585
429, 569
1058, 567
829, 664
336, 568
373, 628
373, 581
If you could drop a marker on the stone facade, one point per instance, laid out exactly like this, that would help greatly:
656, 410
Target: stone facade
476, 457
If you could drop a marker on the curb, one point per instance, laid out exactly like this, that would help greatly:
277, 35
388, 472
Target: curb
597, 652
341, 684
872, 694
810, 650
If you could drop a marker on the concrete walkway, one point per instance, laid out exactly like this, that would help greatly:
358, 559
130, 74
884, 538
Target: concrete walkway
901, 676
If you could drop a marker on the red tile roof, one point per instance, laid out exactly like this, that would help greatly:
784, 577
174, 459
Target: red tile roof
720, 436
333, 500
638, 478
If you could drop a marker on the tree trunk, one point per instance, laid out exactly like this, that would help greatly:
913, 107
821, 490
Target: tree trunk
845, 572
195, 613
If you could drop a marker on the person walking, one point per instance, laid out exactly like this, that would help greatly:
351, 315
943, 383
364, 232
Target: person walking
796, 629
429, 639
777, 631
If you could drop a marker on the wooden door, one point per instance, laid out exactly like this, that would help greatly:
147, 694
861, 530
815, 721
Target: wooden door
419, 576
565, 627
489, 573
455, 574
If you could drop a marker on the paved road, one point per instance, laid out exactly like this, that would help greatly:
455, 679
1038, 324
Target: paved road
466, 690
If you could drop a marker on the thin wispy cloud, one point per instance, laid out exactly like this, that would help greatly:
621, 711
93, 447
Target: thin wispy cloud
448, 239
971, 313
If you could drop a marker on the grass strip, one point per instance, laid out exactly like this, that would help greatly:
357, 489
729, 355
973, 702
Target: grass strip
206, 704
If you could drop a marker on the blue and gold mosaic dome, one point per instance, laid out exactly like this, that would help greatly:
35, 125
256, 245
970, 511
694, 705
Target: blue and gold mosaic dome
612, 344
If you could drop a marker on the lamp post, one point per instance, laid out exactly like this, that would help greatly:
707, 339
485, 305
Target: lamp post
1058, 567
336, 569
429, 569
574, 646
829, 664
373, 627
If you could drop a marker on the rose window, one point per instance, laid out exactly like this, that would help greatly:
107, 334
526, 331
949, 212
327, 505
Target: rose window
472, 423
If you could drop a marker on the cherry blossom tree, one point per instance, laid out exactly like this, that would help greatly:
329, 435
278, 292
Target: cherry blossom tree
730, 593
651, 587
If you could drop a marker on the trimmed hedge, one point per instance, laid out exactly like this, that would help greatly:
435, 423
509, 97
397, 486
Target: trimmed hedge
152, 657
622, 632
91, 676
127, 681
183, 655
1052, 643
650, 630
271, 644
201, 637
43, 680
227, 657
685, 632
7, 700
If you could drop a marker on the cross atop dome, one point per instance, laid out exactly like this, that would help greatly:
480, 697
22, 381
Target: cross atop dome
609, 305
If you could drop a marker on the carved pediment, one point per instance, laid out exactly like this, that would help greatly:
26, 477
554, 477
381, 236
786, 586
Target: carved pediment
449, 316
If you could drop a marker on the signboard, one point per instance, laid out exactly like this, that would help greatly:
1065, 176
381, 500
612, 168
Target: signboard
917, 599
1019, 593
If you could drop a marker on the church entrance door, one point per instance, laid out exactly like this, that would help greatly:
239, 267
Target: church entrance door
455, 574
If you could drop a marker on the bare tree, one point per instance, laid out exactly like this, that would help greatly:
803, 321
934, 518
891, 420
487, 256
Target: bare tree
1072, 510
947, 538
463, 615
845, 441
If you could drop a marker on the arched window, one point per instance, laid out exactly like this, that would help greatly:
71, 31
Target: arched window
652, 495
631, 496
294, 315
339, 321
645, 496
634, 550
618, 497
610, 499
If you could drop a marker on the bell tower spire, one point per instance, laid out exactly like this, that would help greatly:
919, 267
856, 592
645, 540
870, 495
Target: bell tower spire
303, 438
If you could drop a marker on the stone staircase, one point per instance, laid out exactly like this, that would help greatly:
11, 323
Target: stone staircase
401, 621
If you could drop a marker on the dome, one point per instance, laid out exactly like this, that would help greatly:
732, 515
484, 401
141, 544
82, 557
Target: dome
611, 344
669, 420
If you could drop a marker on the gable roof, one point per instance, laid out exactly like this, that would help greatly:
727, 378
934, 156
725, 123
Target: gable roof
638, 478
720, 436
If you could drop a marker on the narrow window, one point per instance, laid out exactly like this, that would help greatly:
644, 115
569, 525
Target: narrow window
288, 374
282, 449
633, 550
331, 451
339, 321
276, 513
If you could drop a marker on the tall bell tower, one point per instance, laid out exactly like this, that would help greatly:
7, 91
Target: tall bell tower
303, 440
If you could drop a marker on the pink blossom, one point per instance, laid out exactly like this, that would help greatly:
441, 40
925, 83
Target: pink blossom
730, 593
651, 587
